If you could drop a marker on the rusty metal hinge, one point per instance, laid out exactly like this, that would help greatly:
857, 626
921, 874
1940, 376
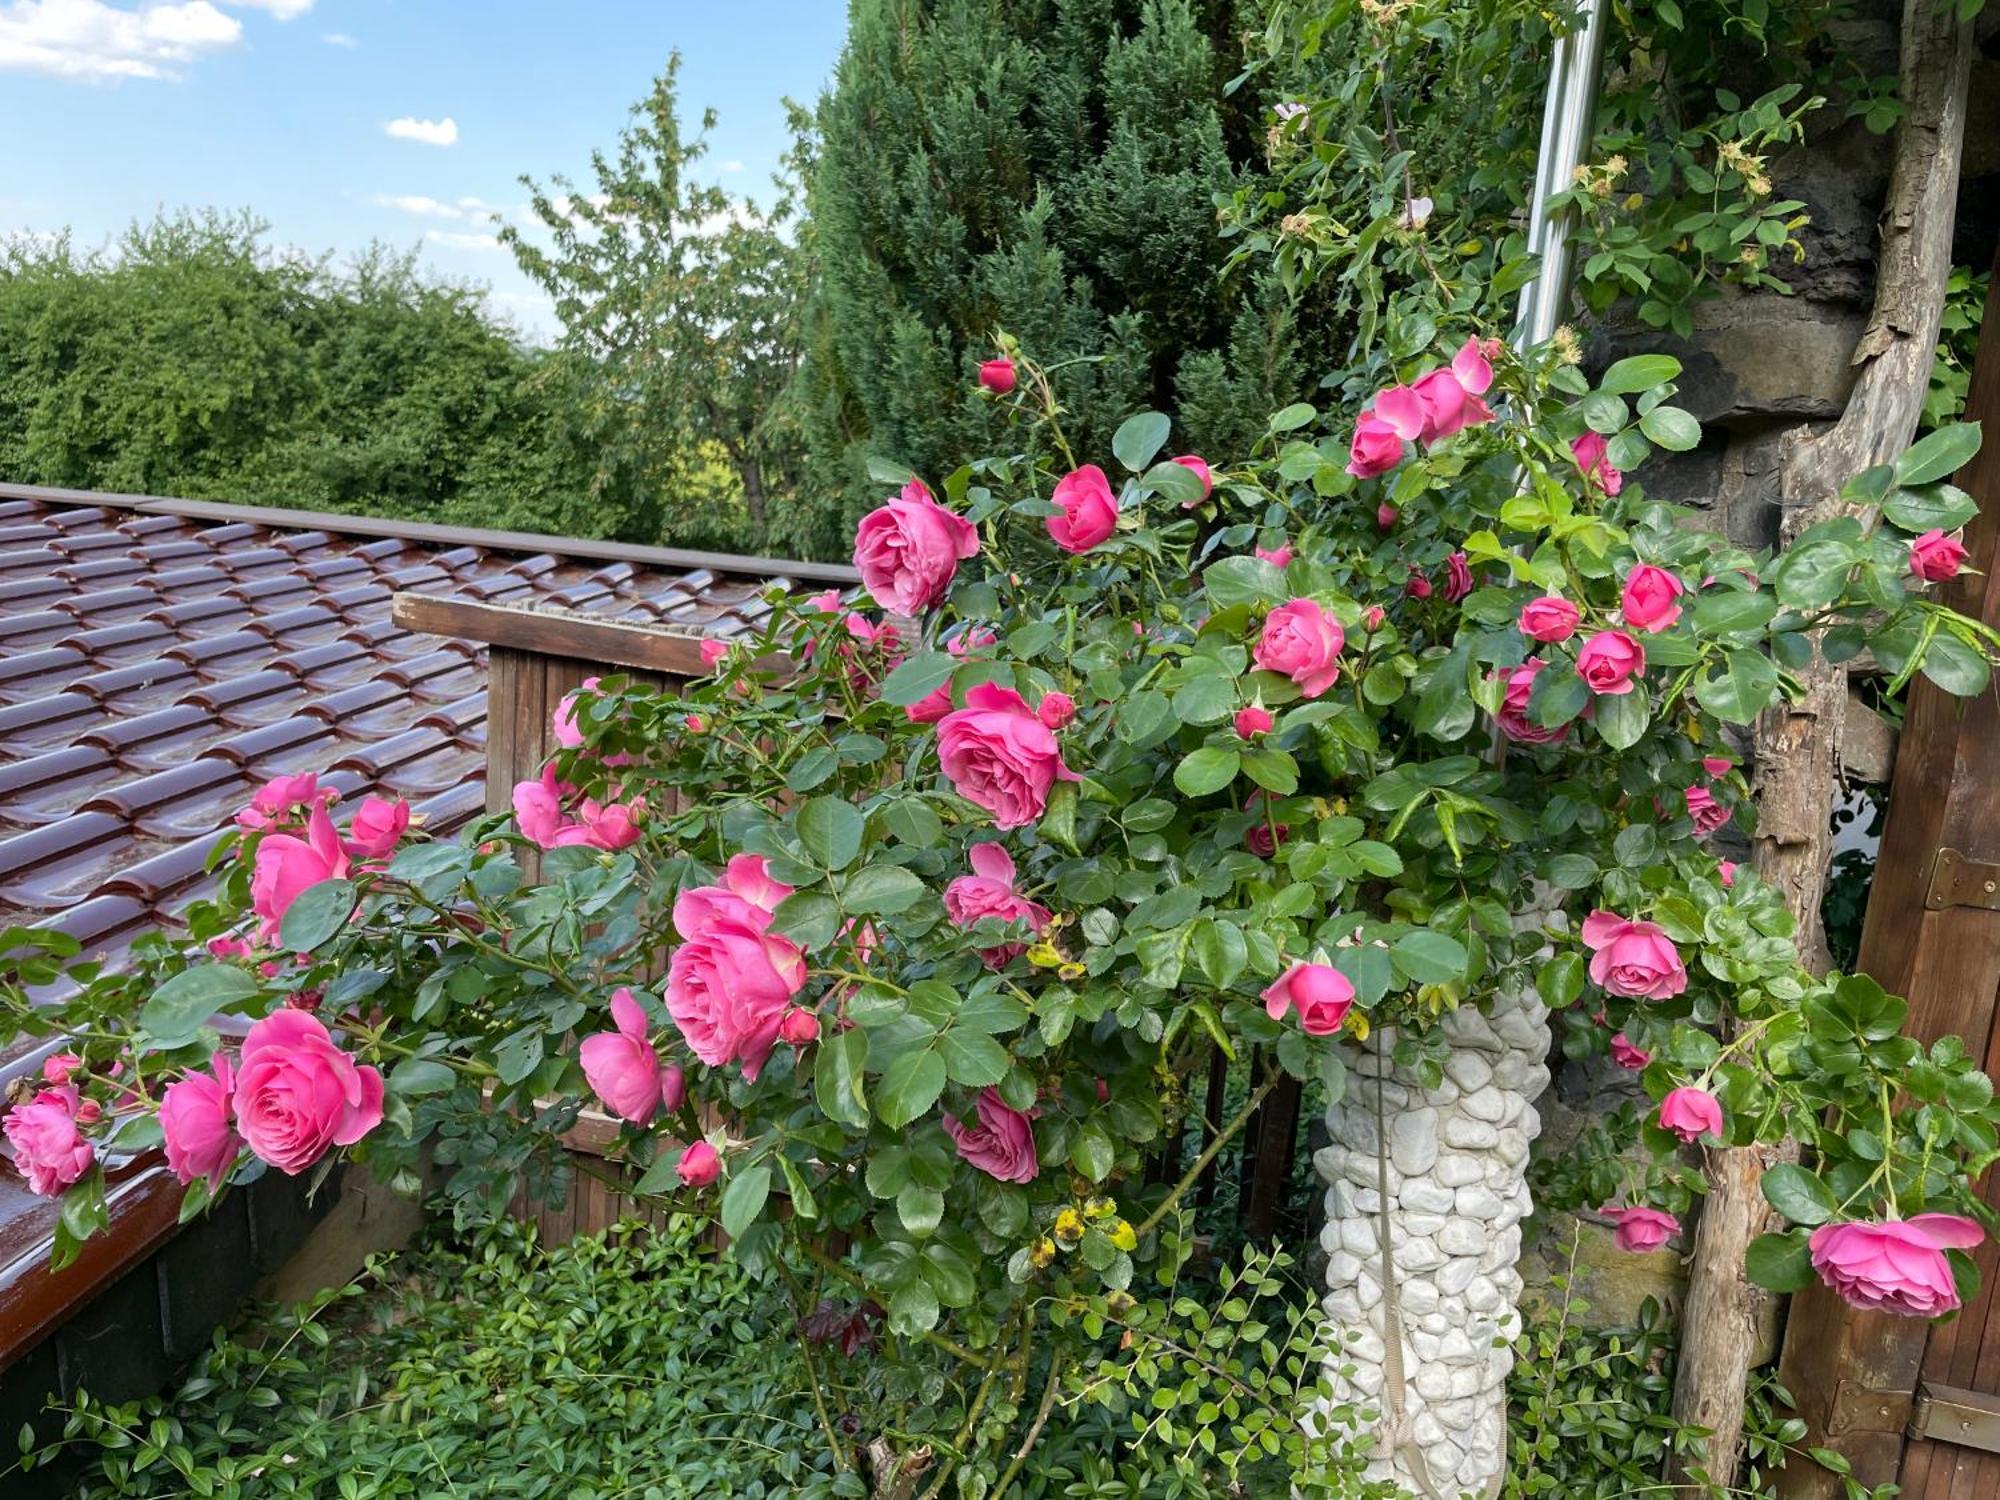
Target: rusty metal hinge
1947, 1414
1957, 879
1858, 1407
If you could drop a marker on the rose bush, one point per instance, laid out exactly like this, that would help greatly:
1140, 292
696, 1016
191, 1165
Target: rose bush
950, 906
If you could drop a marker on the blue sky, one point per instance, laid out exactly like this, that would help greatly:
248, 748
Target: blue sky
291, 108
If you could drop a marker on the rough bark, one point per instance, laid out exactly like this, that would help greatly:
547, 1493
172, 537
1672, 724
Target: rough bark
1798, 745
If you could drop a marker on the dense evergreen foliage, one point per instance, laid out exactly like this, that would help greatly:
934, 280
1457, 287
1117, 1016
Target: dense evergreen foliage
1053, 169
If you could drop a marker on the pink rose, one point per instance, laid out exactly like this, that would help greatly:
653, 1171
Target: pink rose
1549, 619
909, 549
1416, 585
538, 808
1302, 641
1627, 1056
1320, 993
287, 865
1708, 814
1513, 716
999, 756
1448, 407
1262, 840
800, 1028
1253, 721
48, 1148
989, 893
1726, 868
1372, 618
602, 825
1471, 367
195, 1119
622, 1068
1386, 515
1002, 1144
731, 982
1641, 1229
747, 892
569, 733
57, 1067
1056, 709
997, 376
699, 1165
1897, 1266
1609, 661
1935, 557
229, 947
1649, 598
1691, 1114
1589, 453
1717, 765
935, 704
278, 800
1089, 511
378, 825
1277, 557
1377, 448
694, 724
1199, 468
1457, 578
1633, 959
713, 652
297, 1094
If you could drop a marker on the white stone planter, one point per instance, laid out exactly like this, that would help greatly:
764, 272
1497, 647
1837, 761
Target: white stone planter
1458, 1191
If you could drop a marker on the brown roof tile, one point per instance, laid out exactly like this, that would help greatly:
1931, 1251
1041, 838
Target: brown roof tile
159, 659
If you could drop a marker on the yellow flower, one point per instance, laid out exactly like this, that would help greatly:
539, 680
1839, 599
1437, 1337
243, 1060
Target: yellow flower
1042, 1252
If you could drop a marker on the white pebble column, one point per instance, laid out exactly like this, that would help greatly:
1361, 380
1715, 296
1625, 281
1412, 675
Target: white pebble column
1458, 1191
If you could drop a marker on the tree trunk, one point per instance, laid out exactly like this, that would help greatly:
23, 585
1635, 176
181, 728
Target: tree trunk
1798, 744
1456, 1174
753, 500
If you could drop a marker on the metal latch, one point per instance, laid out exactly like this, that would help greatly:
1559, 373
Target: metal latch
1857, 1407
1948, 1414
1957, 879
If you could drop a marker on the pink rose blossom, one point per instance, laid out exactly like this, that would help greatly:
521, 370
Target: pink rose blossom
999, 756
1386, 515
377, 827
1253, 721
57, 1067
297, 1094
49, 1150
1513, 716
602, 825
1320, 993
1935, 557
1549, 619
1302, 641
195, 1119
699, 1165
1372, 618
989, 893
1691, 1114
569, 733
1377, 448
997, 376
1898, 1266
538, 808
800, 1027
909, 549
1726, 869
935, 704
1589, 453
713, 652
1002, 1144
1609, 661
1633, 959
1717, 765
229, 946
1089, 511
1056, 709
1708, 814
1627, 1056
1197, 466
731, 982
1416, 585
1472, 366
287, 866
1277, 557
621, 1066
1649, 599
1457, 578
1641, 1229
278, 800
1262, 840
695, 724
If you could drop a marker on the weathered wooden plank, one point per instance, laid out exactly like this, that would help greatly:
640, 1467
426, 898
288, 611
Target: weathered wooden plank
605, 644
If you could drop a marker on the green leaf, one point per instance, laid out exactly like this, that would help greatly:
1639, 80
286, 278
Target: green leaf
1206, 770
1799, 1195
1959, 669
415, 1076
880, 890
1446, 709
1671, 428
1293, 417
1779, 1262
972, 1057
1743, 688
909, 1087
1243, 580
1812, 574
1622, 718
1091, 1152
174, 1014
319, 912
1941, 454
913, 1310
1726, 612
1640, 372
918, 677
1273, 770
838, 1076
1174, 483
1942, 507
830, 829
1426, 957
913, 821
810, 918
744, 1199
1138, 438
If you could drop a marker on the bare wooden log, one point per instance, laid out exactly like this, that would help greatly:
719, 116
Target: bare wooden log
1798, 745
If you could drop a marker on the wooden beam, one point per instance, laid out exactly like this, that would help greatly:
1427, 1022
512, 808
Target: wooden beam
543, 631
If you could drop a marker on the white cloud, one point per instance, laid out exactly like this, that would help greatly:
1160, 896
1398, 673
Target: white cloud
732, 166
431, 132
456, 239
91, 41
283, 10
339, 39
426, 207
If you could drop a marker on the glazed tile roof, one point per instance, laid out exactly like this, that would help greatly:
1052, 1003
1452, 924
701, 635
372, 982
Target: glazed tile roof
161, 659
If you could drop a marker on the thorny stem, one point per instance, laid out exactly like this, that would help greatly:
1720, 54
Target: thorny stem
1035, 1430
833, 1443
1214, 1149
